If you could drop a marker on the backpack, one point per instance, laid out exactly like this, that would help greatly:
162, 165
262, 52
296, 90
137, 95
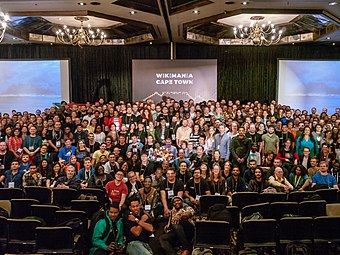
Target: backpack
254, 216
297, 248
202, 251
312, 197
76, 224
219, 212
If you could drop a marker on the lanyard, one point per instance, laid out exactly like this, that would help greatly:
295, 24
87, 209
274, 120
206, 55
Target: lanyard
199, 188
296, 182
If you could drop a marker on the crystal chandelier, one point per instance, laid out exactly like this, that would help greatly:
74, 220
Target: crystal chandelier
81, 36
259, 34
4, 18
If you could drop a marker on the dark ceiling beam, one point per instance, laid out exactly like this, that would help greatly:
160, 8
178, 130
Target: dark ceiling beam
165, 11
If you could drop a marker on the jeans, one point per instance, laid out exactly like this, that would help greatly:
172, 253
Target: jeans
139, 248
182, 233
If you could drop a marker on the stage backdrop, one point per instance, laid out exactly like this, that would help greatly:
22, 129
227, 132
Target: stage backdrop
179, 79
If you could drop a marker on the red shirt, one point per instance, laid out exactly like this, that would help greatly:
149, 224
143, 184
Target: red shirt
115, 192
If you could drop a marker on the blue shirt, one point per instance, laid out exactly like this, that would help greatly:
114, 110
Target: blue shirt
16, 178
24, 168
328, 179
81, 174
66, 153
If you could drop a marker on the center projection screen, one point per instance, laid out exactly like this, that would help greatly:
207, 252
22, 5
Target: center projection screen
28, 85
303, 84
179, 79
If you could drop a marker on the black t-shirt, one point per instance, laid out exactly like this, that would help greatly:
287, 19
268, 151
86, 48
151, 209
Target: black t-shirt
196, 189
6, 161
144, 235
183, 177
171, 189
93, 147
147, 170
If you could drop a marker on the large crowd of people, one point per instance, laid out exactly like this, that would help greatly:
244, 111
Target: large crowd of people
155, 160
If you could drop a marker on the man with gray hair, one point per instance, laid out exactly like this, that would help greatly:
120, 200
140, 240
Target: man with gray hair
70, 181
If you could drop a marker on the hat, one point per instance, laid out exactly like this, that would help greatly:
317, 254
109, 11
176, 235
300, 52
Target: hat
172, 200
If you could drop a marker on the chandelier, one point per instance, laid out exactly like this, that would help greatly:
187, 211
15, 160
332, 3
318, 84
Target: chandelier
4, 18
258, 34
81, 36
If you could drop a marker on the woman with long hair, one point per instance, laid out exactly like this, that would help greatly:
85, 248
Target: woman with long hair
217, 183
226, 170
287, 154
113, 133
44, 167
216, 159
99, 135
210, 140
195, 134
99, 179
298, 177
81, 152
15, 143
53, 175
306, 140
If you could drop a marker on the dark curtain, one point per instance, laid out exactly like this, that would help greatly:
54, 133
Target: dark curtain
244, 72
250, 73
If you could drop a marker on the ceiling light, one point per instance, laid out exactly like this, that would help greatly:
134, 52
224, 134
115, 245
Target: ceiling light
14, 38
332, 3
258, 33
245, 3
133, 12
333, 43
4, 18
328, 38
195, 11
81, 3
81, 36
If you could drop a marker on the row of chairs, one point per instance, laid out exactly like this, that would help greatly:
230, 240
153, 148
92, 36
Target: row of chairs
242, 199
56, 196
268, 233
272, 233
29, 234
277, 210
25, 207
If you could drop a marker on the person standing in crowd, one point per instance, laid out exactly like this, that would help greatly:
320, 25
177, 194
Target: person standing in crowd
239, 148
32, 143
306, 140
270, 141
222, 142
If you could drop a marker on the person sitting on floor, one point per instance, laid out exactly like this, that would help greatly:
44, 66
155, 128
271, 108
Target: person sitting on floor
180, 228
108, 235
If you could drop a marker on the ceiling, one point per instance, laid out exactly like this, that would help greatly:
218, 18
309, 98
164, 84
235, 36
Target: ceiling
164, 21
